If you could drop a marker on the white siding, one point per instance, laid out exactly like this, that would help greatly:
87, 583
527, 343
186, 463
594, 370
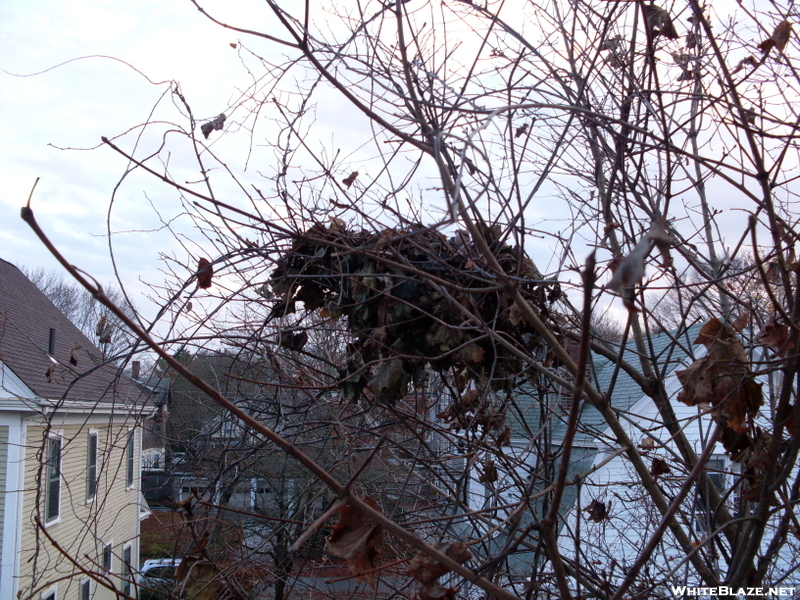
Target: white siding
84, 525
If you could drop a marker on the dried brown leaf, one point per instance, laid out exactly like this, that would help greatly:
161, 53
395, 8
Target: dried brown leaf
205, 272
598, 511
647, 443
348, 181
779, 38
659, 22
521, 130
215, 125
741, 321
427, 570
776, 335
722, 379
489, 474
750, 61
103, 330
504, 439
659, 467
357, 539
292, 339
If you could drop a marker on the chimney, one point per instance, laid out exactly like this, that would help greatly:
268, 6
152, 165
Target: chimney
51, 345
135, 368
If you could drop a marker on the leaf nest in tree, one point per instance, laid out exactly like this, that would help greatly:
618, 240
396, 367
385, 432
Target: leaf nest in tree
413, 298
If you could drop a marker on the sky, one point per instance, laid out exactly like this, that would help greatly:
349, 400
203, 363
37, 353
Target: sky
73, 72
54, 114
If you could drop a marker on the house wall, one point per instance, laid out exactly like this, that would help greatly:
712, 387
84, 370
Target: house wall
3, 472
112, 516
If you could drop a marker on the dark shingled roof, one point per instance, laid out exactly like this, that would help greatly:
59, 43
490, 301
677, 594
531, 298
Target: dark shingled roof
76, 370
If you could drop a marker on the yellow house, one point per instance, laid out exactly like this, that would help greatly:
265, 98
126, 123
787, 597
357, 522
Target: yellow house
70, 503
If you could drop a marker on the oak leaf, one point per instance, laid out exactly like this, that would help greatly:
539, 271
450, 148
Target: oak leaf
358, 539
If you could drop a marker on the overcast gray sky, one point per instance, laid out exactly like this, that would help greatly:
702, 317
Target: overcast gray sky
73, 105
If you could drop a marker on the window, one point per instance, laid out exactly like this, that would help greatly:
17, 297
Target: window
86, 589
127, 572
49, 594
129, 459
52, 492
91, 465
107, 556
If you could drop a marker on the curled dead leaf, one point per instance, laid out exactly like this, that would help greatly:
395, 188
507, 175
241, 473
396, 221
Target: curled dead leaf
741, 321
521, 130
776, 335
104, 329
348, 181
214, 125
427, 570
358, 539
779, 38
722, 379
659, 22
647, 443
747, 61
205, 272
598, 511
489, 474
292, 339
73, 356
659, 467
630, 271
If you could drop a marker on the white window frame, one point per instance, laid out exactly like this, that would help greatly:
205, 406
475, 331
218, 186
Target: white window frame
53, 436
50, 593
85, 584
130, 459
126, 571
93, 433
110, 547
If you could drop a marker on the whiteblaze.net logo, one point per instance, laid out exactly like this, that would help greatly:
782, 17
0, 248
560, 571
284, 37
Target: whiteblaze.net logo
723, 590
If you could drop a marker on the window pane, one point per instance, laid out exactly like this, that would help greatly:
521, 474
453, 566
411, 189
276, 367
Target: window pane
127, 556
107, 558
91, 466
86, 590
53, 479
130, 460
